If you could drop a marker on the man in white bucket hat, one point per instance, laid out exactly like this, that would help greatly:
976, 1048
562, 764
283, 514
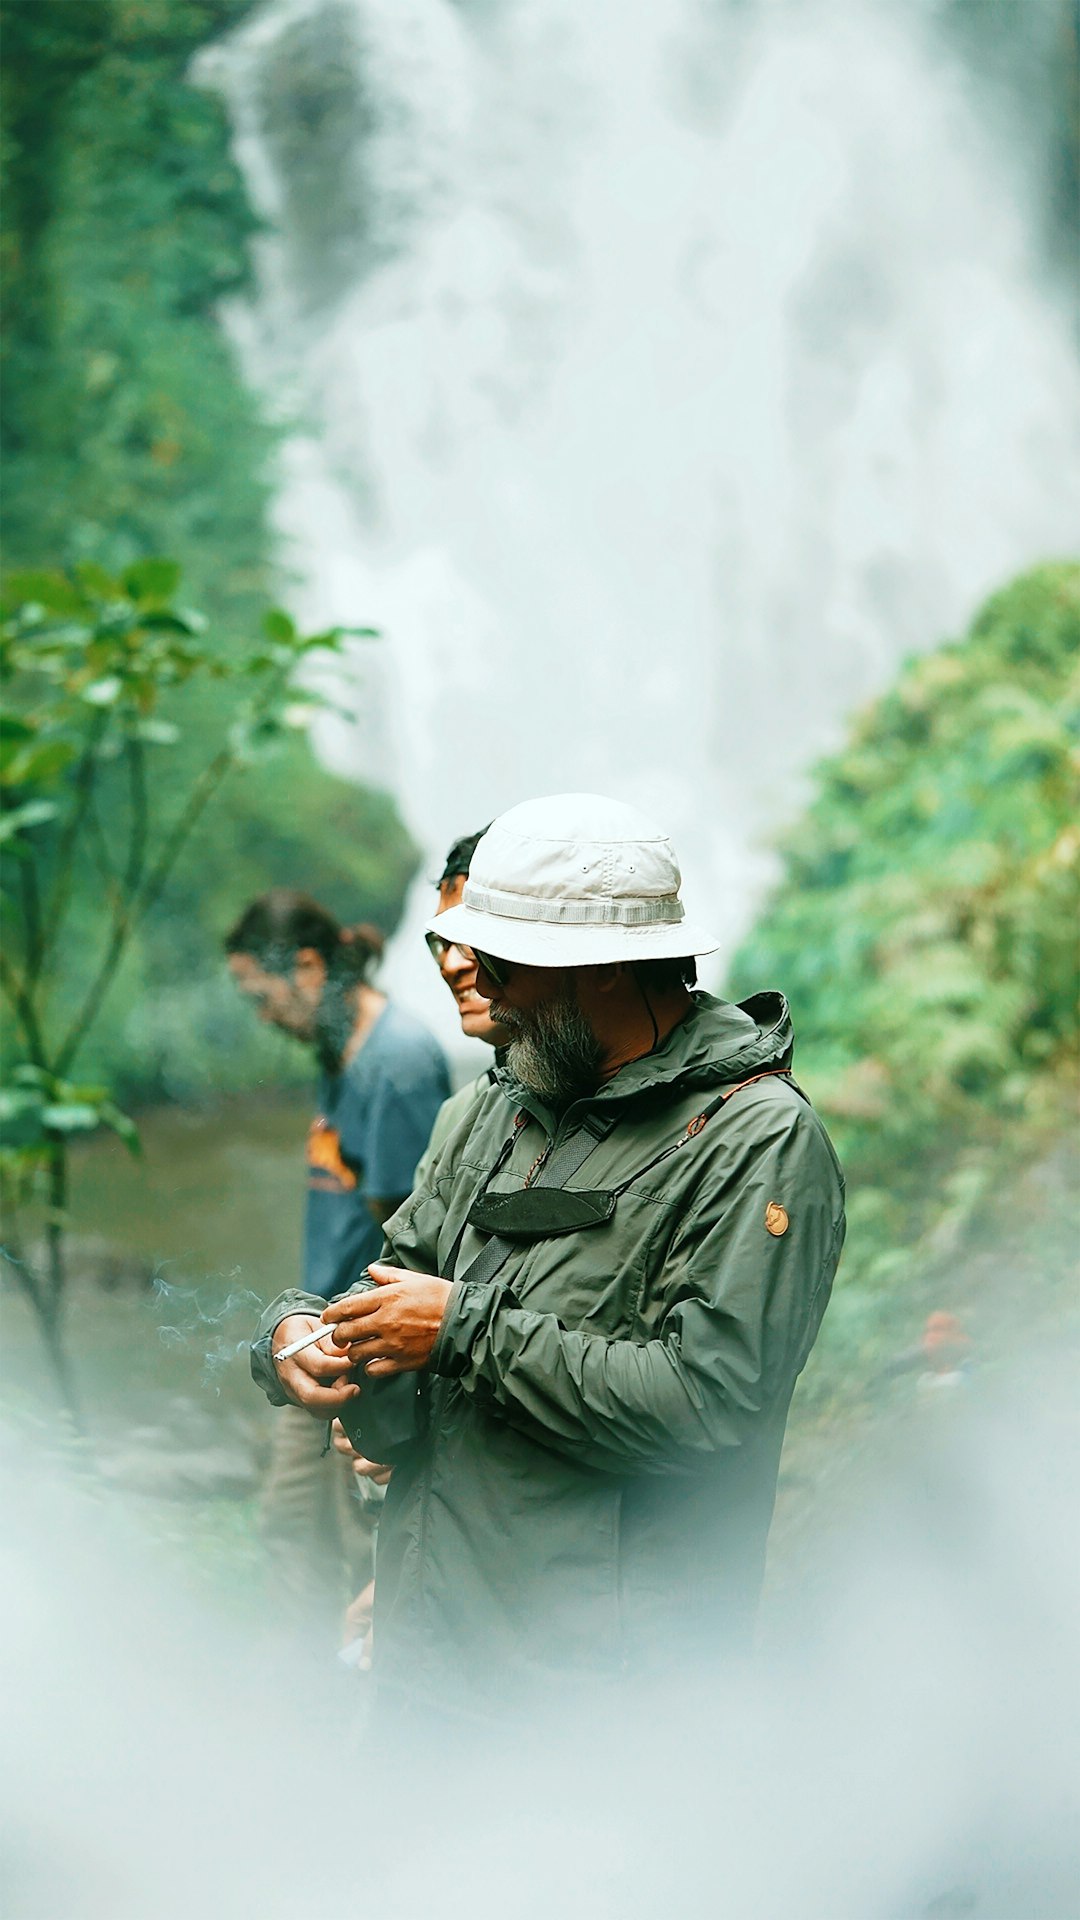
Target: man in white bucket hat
591, 1313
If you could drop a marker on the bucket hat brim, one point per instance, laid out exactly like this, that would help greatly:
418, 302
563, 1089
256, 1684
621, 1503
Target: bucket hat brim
540, 943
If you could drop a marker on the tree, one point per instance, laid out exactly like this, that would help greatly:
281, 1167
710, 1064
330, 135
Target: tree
925, 932
127, 430
93, 670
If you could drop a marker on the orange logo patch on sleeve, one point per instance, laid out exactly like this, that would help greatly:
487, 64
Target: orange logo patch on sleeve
776, 1219
327, 1170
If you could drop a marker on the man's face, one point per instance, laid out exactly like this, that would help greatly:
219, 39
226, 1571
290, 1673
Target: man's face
553, 1049
458, 969
287, 1001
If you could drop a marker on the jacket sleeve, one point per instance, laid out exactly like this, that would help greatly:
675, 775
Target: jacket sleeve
410, 1241
404, 1243
745, 1306
263, 1370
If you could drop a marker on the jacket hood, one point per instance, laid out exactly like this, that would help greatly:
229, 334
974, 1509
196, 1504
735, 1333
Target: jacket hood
718, 1042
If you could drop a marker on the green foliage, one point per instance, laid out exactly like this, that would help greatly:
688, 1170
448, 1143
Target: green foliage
127, 433
90, 666
93, 670
125, 428
925, 931
40, 1111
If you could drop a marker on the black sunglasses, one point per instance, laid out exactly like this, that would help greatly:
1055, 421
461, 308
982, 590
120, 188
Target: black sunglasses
498, 971
437, 946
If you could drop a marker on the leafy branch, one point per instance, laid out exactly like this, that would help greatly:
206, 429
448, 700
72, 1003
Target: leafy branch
87, 665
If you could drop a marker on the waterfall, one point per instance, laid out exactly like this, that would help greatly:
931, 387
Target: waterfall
656, 374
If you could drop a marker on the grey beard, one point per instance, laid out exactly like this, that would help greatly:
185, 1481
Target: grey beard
553, 1051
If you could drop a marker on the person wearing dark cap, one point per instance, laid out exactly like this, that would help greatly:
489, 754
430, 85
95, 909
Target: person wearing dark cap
457, 965
382, 1080
590, 1315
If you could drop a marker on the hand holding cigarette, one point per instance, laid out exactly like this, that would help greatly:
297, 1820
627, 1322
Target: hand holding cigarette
314, 1375
308, 1339
318, 1328
391, 1327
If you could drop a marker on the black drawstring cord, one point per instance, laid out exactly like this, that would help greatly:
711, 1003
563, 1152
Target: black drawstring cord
648, 1009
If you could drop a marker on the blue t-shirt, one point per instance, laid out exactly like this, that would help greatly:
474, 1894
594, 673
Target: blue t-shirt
373, 1124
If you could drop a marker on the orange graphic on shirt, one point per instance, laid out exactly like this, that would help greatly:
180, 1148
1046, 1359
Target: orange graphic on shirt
328, 1172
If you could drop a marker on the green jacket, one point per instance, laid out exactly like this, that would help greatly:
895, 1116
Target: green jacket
592, 1483
450, 1115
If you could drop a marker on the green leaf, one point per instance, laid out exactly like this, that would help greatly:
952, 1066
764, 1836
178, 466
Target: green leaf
39, 763
278, 627
97, 581
33, 814
15, 1102
152, 580
70, 1116
158, 733
50, 590
164, 620
103, 693
14, 727
123, 1125
30, 1076
11, 752
143, 689
333, 636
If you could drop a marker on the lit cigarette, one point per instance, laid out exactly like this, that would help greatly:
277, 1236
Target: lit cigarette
307, 1339
320, 1332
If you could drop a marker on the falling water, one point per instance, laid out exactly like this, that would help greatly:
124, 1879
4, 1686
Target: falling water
656, 373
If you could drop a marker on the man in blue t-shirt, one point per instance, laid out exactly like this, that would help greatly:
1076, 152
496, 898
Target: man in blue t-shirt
374, 1121
383, 1079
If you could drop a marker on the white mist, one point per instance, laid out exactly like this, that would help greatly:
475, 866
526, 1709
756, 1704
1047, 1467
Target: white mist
659, 375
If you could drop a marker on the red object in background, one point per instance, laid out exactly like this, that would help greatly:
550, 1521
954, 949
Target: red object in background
944, 1343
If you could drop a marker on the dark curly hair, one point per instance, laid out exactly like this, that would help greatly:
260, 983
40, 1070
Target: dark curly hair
275, 927
459, 858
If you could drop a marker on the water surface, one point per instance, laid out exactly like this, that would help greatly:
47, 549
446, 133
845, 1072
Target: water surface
171, 1257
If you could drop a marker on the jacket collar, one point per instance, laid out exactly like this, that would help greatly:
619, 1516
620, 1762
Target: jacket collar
717, 1043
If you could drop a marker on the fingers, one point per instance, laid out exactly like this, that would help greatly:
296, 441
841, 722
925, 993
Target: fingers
321, 1362
380, 1369
377, 1348
353, 1306
353, 1333
357, 1333
368, 1317
399, 1323
370, 1470
324, 1400
384, 1275
358, 1612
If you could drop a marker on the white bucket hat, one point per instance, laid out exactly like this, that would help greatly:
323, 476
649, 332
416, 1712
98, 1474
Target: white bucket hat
573, 881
